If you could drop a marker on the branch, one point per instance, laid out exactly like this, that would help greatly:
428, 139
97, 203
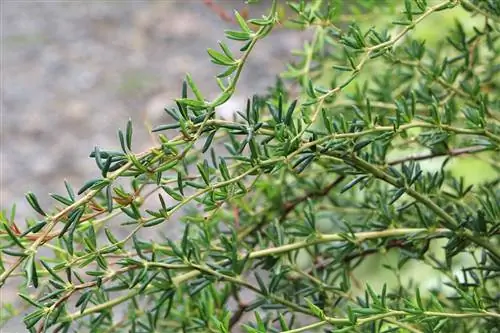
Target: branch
273, 251
468, 5
368, 52
52, 220
391, 313
290, 205
450, 152
449, 221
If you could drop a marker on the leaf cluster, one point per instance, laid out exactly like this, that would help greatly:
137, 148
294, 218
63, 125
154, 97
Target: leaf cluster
345, 163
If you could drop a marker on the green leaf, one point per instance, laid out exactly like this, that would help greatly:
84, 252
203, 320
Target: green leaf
373, 295
153, 222
289, 113
197, 288
167, 166
73, 220
14, 253
397, 195
219, 58
129, 134
33, 201
88, 185
237, 35
191, 102
109, 198
112, 239
242, 23
262, 22
310, 90
352, 183
165, 127
409, 11
315, 309
230, 70
173, 194
34, 228
12, 235
30, 271
33, 318
194, 88
223, 169
61, 199
419, 299
123, 145
203, 173
29, 300
262, 285
226, 50
135, 161
208, 141
361, 144
342, 68
51, 271
83, 300
70, 191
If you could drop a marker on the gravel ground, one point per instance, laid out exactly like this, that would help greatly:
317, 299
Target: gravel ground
73, 72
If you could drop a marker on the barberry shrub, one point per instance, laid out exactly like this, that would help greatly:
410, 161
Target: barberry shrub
360, 193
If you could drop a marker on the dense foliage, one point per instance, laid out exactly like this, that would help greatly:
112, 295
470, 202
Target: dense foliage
360, 193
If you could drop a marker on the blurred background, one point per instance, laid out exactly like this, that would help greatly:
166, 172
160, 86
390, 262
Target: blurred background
73, 72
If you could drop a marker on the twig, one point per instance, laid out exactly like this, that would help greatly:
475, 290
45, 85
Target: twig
450, 152
290, 205
235, 318
469, 5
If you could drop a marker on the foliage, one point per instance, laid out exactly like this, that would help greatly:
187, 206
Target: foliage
284, 205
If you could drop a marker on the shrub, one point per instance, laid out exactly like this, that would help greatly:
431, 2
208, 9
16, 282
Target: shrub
358, 194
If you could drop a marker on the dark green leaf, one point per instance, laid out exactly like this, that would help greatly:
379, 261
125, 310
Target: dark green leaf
33, 201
